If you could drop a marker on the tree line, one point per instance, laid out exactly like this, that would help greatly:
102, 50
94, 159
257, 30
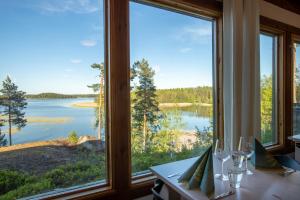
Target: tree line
186, 95
58, 96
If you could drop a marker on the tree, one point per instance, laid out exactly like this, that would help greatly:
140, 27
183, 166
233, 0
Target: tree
99, 88
13, 102
266, 108
73, 137
145, 114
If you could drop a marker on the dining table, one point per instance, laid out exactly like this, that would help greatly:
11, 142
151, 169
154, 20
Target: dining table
262, 185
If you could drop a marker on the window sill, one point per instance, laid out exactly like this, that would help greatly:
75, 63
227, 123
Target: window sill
76, 192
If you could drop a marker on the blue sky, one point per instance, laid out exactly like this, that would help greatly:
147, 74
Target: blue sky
48, 45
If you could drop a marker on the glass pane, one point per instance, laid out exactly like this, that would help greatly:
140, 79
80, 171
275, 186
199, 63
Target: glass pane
267, 88
172, 86
51, 89
296, 100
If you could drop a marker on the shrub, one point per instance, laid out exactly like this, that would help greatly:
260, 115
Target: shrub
10, 180
28, 190
14, 184
73, 138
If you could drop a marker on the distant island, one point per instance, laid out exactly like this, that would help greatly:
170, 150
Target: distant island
58, 96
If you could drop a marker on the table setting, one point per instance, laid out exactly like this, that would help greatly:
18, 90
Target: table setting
218, 173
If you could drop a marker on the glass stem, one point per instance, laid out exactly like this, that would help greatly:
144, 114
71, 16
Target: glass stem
222, 168
246, 164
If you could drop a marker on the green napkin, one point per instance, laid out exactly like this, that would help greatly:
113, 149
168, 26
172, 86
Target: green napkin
262, 158
200, 174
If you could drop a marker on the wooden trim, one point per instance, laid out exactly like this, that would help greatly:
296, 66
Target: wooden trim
291, 5
119, 97
106, 96
142, 188
204, 8
271, 23
290, 41
288, 95
219, 79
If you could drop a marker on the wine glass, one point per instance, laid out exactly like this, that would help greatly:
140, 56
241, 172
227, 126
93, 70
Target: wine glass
246, 147
221, 156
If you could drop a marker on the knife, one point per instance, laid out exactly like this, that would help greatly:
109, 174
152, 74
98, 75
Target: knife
225, 194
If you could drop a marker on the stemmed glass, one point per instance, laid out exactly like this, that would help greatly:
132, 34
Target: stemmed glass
246, 147
222, 156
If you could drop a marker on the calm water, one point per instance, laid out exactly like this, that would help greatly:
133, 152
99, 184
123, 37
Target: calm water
82, 120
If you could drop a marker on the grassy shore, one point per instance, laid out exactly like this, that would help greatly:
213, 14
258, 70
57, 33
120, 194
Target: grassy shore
85, 105
50, 120
181, 105
46, 120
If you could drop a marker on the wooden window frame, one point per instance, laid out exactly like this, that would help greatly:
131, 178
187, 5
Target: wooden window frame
119, 183
279, 84
287, 32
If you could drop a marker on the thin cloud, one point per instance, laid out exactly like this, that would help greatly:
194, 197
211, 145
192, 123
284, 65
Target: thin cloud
68, 70
74, 6
88, 43
185, 50
97, 27
75, 61
194, 33
156, 68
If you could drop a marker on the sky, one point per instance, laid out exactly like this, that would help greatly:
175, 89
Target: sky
49, 45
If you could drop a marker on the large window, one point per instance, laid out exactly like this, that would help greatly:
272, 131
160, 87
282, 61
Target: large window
268, 68
51, 96
296, 90
171, 85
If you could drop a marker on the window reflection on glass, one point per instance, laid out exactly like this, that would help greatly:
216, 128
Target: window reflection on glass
171, 86
296, 95
51, 96
268, 65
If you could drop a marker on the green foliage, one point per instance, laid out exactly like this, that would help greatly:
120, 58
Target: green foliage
205, 136
28, 189
13, 102
266, 109
142, 161
10, 180
16, 184
73, 137
70, 174
166, 139
3, 140
186, 95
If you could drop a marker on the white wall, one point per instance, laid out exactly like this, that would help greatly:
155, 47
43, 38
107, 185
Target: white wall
279, 14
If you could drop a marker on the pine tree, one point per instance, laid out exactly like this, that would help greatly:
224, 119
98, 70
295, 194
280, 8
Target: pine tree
99, 88
13, 102
145, 114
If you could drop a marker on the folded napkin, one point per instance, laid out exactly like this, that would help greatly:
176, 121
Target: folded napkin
200, 174
288, 162
262, 158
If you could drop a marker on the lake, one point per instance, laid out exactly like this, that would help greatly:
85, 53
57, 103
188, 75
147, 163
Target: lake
81, 120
